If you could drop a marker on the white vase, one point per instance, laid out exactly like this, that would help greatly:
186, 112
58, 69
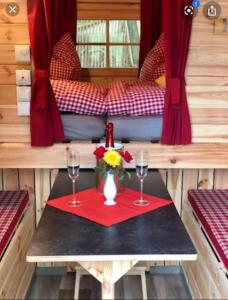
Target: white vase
110, 190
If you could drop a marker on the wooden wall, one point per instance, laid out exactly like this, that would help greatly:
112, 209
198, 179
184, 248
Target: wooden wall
13, 30
207, 78
207, 72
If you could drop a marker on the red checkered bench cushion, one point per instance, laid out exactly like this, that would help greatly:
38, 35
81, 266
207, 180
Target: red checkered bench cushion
134, 98
211, 207
12, 206
84, 98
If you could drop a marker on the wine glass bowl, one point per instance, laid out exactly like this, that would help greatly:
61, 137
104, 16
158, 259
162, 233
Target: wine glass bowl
141, 165
73, 166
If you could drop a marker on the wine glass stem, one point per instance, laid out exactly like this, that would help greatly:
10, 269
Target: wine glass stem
141, 189
73, 188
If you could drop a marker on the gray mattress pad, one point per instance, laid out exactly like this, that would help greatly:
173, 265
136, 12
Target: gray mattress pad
81, 127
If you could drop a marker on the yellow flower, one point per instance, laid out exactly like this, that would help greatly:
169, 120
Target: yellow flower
112, 158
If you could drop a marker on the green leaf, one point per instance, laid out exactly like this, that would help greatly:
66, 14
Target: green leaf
121, 176
97, 169
112, 171
128, 175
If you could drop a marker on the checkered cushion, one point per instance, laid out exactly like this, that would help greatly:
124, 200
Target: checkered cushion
82, 98
65, 63
153, 66
159, 71
12, 205
134, 98
211, 207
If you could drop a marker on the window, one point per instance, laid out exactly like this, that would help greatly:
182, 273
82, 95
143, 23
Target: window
108, 43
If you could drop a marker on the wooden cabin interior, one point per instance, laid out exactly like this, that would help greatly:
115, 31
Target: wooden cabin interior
198, 165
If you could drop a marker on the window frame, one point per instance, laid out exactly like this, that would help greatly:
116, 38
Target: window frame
108, 44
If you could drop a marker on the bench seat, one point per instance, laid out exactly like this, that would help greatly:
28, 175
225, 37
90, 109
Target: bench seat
12, 206
211, 209
17, 225
205, 217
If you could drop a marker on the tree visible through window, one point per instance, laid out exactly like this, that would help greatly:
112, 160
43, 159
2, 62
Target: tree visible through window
108, 43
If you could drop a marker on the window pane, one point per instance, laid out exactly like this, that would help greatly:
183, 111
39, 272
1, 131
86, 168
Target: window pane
124, 56
92, 56
124, 31
91, 31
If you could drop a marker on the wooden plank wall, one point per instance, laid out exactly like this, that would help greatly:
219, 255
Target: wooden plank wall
207, 72
207, 79
13, 30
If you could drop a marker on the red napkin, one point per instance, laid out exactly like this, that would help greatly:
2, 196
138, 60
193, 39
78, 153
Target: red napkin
93, 208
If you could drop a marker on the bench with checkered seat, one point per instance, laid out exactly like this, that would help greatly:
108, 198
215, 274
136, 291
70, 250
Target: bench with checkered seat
206, 216
16, 230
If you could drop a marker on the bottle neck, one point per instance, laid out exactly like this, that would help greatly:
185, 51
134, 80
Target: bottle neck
109, 136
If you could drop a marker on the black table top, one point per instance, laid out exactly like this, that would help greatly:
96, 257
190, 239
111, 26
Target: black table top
159, 234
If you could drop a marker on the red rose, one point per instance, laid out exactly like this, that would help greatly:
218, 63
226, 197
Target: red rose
99, 152
126, 156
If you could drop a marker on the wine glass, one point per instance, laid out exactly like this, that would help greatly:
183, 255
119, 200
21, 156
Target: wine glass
73, 162
141, 164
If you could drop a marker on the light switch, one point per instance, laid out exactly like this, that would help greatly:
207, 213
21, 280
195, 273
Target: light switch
23, 93
23, 108
22, 53
23, 77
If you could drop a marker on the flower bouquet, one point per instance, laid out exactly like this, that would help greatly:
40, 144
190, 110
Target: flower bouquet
111, 161
110, 164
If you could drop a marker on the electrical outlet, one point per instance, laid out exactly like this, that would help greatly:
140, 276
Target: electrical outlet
23, 77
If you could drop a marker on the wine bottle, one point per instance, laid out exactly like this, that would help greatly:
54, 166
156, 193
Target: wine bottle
109, 136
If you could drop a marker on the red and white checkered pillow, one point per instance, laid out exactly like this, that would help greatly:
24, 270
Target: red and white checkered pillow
159, 71
117, 101
78, 97
116, 89
211, 207
65, 63
12, 205
135, 99
153, 66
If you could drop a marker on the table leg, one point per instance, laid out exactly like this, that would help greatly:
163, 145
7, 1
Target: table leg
108, 272
108, 290
108, 282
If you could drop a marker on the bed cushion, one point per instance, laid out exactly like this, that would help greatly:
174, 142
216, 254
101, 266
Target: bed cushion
153, 65
65, 63
12, 206
134, 98
80, 127
211, 207
78, 97
137, 128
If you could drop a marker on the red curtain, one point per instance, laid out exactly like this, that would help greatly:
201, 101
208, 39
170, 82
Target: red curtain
151, 26
177, 32
48, 21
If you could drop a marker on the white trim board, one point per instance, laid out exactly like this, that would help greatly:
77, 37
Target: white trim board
74, 258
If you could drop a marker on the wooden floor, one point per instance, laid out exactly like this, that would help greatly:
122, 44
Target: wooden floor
160, 286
